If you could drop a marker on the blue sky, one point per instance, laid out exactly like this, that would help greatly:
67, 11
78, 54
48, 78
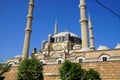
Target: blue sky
13, 22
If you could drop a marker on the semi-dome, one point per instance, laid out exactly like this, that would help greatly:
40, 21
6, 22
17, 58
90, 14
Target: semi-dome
118, 46
101, 47
65, 33
77, 46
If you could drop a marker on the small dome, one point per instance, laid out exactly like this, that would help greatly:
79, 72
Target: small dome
76, 46
102, 48
84, 49
65, 33
118, 46
18, 56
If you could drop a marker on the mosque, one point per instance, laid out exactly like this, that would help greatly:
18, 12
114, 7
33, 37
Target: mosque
69, 46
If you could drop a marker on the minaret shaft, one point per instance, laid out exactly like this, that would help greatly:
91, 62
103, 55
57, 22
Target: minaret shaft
28, 31
91, 34
83, 22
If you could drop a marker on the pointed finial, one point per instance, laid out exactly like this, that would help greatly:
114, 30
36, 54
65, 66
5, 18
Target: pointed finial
89, 21
56, 27
89, 16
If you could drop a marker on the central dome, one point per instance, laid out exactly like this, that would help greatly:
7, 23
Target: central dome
65, 33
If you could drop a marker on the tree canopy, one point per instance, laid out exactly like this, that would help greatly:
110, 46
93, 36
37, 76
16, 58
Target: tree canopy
30, 69
73, 71
4, 67
70, 71
93, 75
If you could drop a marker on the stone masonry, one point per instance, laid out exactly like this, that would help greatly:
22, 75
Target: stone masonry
109, 70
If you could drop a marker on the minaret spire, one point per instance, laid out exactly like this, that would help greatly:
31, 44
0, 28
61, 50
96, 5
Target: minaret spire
56, 27
83, 22
91, 34
28, 31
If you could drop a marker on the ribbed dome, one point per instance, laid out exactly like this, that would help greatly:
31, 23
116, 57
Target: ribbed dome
65, 33
102, 48
118, 46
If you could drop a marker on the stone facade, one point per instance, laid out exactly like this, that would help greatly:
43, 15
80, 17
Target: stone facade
109, 70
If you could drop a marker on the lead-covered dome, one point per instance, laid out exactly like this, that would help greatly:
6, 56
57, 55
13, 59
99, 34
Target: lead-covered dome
101, 47
118, 46
66, 36
65, 33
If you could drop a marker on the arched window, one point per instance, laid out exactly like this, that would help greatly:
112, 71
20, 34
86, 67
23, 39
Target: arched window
56, 39
60, 39
80, 60
63, 38
104, 58
59, 61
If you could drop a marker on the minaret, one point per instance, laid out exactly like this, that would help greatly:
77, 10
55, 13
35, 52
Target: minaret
56, 28
28, 31
83, 22
91, 34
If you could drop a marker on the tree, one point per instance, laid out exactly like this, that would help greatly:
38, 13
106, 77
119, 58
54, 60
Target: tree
4, 68
93, 75
71, 71
30, 69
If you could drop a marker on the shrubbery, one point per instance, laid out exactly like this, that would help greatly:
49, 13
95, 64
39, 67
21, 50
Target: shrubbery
73, 71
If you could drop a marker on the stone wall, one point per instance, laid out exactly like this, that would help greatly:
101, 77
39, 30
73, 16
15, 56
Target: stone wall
12, 74
108, 70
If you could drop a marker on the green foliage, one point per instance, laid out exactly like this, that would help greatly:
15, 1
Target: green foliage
4, 68
93, 75
73, 71
70, 71
30, 69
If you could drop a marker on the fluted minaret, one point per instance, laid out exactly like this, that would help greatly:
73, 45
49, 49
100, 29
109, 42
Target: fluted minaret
56, 28
83, 22
91, 34
28, 31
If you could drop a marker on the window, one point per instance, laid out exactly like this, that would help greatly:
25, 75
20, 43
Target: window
104, 58
63, 38
54, 39
80, 60
60, 39
59, 61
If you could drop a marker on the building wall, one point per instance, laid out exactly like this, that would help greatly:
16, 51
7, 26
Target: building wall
12, 74
109, 70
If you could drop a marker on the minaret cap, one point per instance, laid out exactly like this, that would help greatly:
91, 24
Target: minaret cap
56, 28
